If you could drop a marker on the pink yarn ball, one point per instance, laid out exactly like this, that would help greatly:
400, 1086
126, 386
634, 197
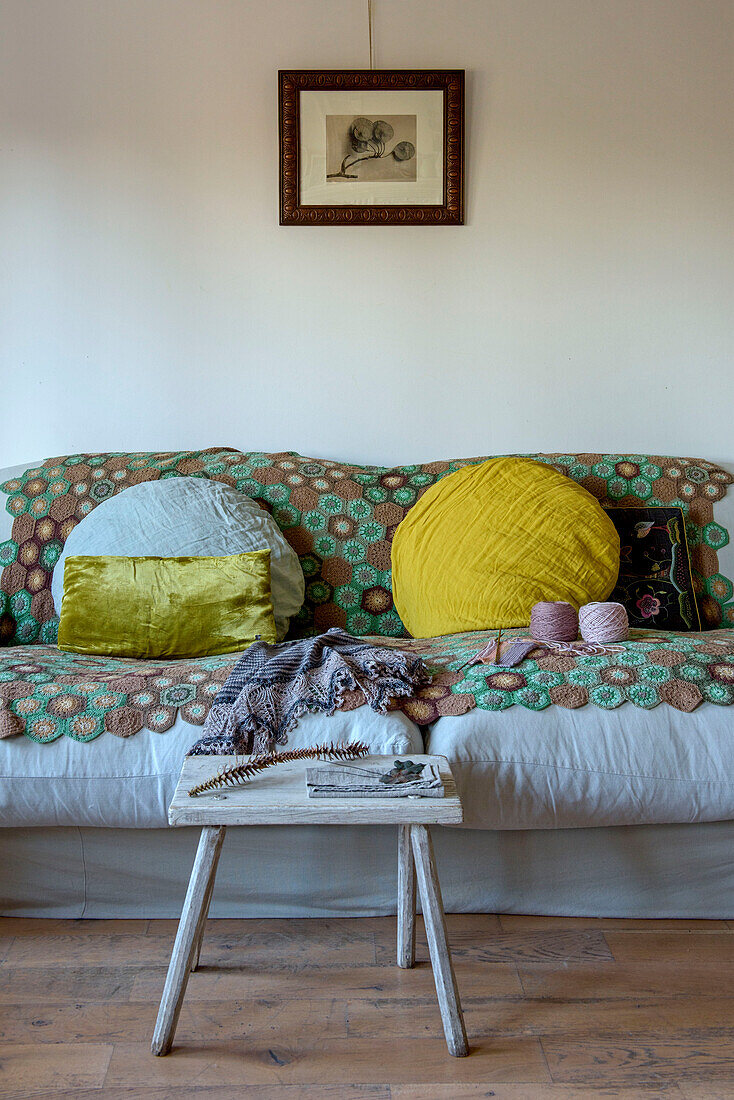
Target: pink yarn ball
604, 622
555, 621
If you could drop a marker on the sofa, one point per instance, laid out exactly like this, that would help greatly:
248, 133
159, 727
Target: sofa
623, 807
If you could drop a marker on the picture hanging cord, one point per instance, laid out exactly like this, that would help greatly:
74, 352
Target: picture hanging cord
369, 27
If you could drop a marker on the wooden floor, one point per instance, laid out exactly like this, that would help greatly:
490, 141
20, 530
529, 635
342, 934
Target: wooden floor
309, 1009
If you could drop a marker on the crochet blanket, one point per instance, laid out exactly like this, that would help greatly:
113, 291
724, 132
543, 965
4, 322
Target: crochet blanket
46, 694
271, 686
340, 520
652, 667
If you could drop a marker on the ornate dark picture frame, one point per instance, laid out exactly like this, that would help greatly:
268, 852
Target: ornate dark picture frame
450, 211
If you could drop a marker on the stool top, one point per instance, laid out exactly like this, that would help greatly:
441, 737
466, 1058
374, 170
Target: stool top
278, 796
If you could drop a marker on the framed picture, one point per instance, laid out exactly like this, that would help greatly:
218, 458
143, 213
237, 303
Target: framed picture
368, 147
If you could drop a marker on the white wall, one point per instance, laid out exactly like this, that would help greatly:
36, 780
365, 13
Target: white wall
149, 299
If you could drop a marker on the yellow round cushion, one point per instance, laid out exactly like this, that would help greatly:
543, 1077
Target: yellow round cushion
485, 543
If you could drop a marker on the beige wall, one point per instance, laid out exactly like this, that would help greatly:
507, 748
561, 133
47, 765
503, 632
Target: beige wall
149, 299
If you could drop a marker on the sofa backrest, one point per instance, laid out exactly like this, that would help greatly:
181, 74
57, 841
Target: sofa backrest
339, 518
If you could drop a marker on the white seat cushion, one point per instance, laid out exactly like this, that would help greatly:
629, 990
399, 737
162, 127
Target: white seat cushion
129, 782
560, 769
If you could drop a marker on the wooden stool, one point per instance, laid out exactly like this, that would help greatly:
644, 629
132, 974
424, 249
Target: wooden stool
279, 797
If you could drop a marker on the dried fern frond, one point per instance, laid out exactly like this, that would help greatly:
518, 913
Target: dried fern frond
235, 774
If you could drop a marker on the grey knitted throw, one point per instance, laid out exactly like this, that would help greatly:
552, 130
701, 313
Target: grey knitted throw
271, 686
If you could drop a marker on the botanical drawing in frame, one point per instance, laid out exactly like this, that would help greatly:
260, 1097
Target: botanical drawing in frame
368, 147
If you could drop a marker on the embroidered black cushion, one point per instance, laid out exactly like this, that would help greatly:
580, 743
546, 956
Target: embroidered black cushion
655, 583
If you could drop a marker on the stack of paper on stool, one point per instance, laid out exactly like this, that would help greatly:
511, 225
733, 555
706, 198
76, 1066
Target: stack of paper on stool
356, 781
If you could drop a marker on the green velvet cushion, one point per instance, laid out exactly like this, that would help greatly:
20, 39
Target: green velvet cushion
166, 607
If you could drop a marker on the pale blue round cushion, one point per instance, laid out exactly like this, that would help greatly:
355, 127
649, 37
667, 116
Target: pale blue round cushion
187, 517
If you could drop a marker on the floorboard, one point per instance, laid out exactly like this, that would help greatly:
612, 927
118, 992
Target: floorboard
554, 947
556, 1009
510, 922
235, 1092
289, 1060
28, 1067
632, 1058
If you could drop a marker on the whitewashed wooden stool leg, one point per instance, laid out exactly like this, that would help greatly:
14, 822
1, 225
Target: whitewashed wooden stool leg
435, 922
197, 947
188, 935
406, 899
